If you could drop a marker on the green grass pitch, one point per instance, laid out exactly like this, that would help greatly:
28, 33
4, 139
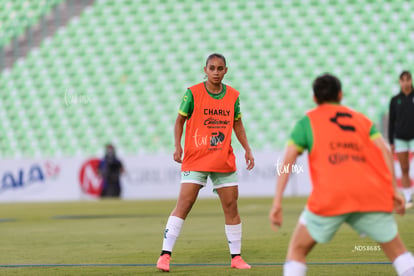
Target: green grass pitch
115, 237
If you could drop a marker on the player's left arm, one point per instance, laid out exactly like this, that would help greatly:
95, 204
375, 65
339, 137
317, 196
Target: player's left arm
242, 137
399, 202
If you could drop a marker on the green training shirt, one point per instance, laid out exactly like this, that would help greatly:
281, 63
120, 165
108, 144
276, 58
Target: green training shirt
302, 135
187, 104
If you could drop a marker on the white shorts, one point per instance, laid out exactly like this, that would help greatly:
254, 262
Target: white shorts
219, 180
403, 145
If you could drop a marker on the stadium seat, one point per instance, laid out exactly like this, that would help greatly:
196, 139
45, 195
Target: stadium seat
16, 16
134, 62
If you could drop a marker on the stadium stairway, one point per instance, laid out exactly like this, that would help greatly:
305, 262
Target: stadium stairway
25, 24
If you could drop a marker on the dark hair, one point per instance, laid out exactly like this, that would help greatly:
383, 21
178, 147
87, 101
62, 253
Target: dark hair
326, 88
405, 73
213, 55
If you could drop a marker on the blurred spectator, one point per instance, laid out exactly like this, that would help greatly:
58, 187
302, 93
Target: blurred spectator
110, 168
401, 130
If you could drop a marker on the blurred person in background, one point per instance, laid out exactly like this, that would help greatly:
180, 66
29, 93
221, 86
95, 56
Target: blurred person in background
110, 169
401, 131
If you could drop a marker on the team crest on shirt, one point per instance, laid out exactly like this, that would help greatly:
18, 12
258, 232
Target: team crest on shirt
342, 126
216, 138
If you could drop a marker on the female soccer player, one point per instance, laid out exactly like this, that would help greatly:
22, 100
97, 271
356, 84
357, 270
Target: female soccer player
353, 181
401, 130
211, 110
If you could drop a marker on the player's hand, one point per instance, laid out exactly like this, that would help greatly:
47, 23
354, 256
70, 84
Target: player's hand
249, 160
275, 217
178, 153
392, 149
399, 204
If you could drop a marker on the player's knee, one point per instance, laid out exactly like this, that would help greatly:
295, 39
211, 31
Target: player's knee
296, 252
188, 203
230, 206
301, 248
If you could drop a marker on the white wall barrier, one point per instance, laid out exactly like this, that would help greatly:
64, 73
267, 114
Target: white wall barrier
159, 177
146, 177
39, 180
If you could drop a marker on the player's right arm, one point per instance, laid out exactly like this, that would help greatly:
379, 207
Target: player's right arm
184, 112
275, 214
300, 139
178, 132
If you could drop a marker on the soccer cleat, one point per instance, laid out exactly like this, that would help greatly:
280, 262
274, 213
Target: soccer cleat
163, 262
409, 204
237, 262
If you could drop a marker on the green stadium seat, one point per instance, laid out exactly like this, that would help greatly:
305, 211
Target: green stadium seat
16, 16
135, 62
